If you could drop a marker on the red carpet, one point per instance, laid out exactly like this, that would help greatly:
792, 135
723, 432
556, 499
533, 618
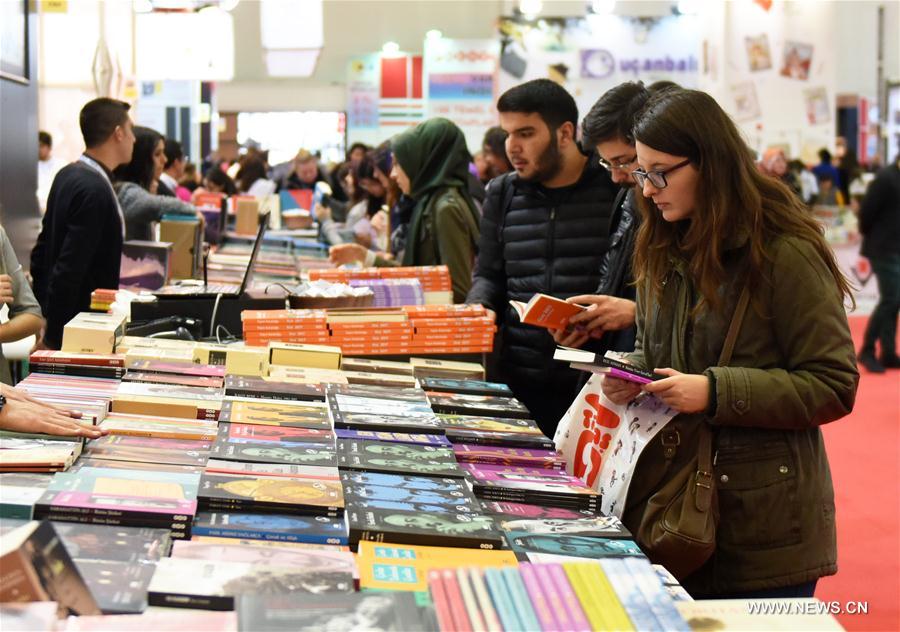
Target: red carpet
863, 449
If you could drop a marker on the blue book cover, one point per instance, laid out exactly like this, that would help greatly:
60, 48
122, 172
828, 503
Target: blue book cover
631, 597
502, 599
248, 526
661, 602
520, 598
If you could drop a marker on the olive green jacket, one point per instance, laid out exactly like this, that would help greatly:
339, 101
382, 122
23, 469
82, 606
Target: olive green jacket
793, 369
447, 235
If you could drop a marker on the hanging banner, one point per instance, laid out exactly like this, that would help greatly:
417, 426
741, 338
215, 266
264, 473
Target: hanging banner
459, 84
363, 86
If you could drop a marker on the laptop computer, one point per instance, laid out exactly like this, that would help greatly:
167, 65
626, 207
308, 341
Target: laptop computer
198, 289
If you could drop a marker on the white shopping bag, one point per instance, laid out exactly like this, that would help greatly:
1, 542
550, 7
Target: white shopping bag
602, 441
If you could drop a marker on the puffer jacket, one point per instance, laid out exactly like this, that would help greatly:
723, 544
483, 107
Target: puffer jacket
549, 241
792, 370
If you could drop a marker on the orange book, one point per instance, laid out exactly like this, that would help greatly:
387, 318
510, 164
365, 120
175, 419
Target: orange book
546, 311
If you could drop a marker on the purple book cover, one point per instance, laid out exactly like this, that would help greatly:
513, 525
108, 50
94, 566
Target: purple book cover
554, 598
393, 437
125, 504
534, 512
538, 599
500, 472
578, 620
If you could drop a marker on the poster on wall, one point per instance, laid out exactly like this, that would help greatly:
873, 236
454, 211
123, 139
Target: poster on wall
797, 60
759, 55
746, 103
362, 93
459, 84
400, 103
818, 110
589, 56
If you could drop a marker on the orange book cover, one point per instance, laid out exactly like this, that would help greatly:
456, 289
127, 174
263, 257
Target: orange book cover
546, 311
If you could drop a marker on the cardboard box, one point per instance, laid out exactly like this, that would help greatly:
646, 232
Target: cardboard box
246, 216
187, 240
237, 359
308, 356
90, 332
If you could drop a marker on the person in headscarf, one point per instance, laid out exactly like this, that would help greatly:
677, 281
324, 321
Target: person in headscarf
431, 165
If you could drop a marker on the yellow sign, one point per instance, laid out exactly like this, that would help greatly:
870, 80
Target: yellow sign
54, 6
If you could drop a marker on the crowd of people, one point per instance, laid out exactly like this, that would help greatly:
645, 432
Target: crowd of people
658, 219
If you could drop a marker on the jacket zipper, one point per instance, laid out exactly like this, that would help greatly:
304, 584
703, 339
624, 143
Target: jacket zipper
551, 236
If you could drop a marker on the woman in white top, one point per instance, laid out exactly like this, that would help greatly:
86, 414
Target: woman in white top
251, 178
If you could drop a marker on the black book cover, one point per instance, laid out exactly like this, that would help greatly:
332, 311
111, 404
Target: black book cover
400, 458
488, 423
275, 413
311, 454
257, 387
118, 587
587, 527
370, 611
465, 387
475, 405
403, 527
120, 544
116, 373
500, 439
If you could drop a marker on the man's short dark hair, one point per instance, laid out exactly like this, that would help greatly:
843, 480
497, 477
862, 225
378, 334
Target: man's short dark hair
45, 139
356, 146
495, 140
825, 155
99, 119
547, 98
612, 116
173, 152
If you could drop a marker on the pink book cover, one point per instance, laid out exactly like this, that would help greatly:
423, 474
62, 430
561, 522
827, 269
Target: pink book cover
522, 510
489, 473
505, 453
579, 620
125, 504
554, 598
540, 602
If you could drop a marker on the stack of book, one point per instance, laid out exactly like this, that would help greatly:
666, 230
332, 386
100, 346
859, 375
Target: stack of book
500, 455
122, 497
378, 408
141, 425
117, 447
476, 405
392, 292
530, 485
110, 366
18, 493
280, 413
102, 300
21, 452
410, 330
167, 400
89, 396
611, 595
434, 280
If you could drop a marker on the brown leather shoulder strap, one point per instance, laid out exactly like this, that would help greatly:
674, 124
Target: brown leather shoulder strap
735, 327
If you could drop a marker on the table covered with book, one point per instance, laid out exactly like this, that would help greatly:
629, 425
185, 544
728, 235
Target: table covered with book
314, 491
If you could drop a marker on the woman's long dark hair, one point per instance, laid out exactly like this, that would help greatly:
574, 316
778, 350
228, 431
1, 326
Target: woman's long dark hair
221, 179
141, 168
732, 198
252, 169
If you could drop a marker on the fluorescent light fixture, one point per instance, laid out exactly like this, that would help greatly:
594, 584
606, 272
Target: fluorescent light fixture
530, 8
603, 7
291, 63
433, 34
291, 24
390, 48
688, 7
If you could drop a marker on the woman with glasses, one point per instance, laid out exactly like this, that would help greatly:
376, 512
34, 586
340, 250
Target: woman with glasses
712, 224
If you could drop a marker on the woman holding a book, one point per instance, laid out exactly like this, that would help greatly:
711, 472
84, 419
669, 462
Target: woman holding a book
431, 165
712, 225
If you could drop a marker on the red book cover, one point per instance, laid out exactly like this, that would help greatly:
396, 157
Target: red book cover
457, 604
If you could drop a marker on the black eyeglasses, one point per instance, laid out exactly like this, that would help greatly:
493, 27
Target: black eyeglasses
622, 166
656, 178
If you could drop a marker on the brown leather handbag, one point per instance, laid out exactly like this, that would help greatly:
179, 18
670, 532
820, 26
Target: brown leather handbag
678, 528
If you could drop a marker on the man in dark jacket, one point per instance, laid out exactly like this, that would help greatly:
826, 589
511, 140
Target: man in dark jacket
545, 228
80, 246
879, 222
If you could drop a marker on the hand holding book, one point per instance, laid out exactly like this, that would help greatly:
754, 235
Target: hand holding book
684, 392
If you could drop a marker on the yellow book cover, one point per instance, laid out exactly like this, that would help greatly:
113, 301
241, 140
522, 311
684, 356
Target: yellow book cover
304, 356
597, 597
404, 567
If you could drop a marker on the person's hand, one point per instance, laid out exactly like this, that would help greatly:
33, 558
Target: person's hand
347, 253
491, 314
6, 289
154, 186
604, 313
379, 222
569, 337
322, 212
20, 416
685, 392
619, 391
19, 395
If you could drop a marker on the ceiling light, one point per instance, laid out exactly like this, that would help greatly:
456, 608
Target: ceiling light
433, 34
687, 7
390, 48
603, 7
530, 8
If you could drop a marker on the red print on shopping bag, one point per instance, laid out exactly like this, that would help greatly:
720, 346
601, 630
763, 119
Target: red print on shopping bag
594, 439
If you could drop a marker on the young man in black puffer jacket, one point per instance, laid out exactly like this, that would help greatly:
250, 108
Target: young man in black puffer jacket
545, 228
